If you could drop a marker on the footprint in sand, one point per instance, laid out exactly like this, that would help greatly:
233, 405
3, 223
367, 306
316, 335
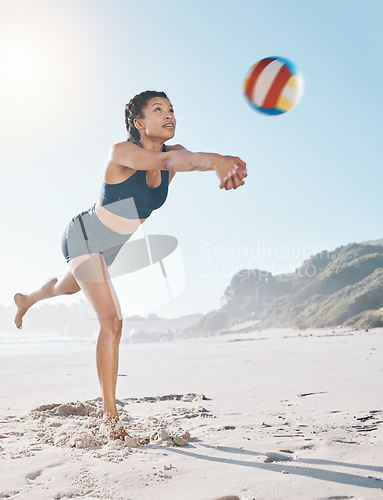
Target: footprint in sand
32, 475
229, 497
277, 457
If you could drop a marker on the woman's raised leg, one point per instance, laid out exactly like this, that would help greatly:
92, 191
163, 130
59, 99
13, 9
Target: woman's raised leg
62, 285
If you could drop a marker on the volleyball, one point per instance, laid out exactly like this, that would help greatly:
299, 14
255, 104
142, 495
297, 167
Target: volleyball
273, 85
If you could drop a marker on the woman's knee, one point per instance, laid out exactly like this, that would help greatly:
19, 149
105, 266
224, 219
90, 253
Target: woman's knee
111, 326
66, 284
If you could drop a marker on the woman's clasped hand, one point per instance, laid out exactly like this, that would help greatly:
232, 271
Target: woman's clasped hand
231, 171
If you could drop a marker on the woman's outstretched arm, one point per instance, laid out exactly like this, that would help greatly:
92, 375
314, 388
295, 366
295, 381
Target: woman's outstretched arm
231, 170
232, 180
180, 160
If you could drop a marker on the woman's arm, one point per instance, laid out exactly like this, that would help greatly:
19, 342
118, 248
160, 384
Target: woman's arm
127, 154
173, 147
232, 180
130, 155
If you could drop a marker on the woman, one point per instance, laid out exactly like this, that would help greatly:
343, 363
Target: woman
136, 179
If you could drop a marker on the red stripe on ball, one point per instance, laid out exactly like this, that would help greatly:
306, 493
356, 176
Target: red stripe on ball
276, 88
255, 74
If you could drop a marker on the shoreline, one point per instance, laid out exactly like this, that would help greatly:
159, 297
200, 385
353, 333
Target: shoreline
13, 343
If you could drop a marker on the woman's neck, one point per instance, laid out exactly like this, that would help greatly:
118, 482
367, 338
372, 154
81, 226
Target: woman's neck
151, 145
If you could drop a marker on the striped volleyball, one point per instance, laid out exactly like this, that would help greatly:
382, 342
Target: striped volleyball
273, 85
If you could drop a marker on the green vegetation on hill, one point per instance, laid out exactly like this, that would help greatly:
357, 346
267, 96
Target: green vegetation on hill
343, 287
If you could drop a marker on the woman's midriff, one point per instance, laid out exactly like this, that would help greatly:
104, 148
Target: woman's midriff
115, 222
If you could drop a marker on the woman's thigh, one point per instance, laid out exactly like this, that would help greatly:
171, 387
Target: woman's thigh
92, 275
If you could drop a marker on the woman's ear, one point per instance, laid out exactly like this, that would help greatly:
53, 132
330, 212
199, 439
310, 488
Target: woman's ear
137, 124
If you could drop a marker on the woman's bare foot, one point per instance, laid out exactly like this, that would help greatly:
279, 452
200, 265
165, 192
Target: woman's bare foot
23, 305
113, 429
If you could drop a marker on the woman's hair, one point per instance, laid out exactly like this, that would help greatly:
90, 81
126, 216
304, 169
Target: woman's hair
134, 109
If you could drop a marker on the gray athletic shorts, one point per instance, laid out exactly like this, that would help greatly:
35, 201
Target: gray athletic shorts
86, 234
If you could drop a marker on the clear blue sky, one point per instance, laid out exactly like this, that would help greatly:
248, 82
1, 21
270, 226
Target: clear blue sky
314, 174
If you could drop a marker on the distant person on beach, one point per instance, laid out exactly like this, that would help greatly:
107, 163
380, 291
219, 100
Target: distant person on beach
136, 179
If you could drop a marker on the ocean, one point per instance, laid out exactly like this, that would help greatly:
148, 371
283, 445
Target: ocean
19, 343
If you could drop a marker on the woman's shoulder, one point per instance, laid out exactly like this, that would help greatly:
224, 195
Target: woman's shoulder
114, 171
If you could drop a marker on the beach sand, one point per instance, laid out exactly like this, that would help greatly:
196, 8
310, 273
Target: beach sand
275, 414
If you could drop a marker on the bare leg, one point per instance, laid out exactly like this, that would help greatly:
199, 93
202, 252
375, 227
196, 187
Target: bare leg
63, 285
92, 275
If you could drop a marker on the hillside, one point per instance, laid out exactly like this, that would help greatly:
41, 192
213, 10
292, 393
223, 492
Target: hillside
342, 287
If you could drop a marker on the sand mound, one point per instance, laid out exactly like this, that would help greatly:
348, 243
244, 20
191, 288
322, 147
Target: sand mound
80, 424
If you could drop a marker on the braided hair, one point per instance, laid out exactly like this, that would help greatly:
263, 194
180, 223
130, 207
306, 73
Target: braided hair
134, 109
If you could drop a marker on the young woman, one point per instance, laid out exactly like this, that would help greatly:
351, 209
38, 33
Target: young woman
136, 179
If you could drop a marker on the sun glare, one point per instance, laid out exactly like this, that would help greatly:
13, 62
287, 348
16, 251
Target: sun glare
44, 71
18, 65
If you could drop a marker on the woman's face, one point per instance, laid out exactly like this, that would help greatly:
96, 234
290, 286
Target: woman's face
158, 119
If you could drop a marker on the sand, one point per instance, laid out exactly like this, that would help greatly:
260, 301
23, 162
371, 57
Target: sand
276, 414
